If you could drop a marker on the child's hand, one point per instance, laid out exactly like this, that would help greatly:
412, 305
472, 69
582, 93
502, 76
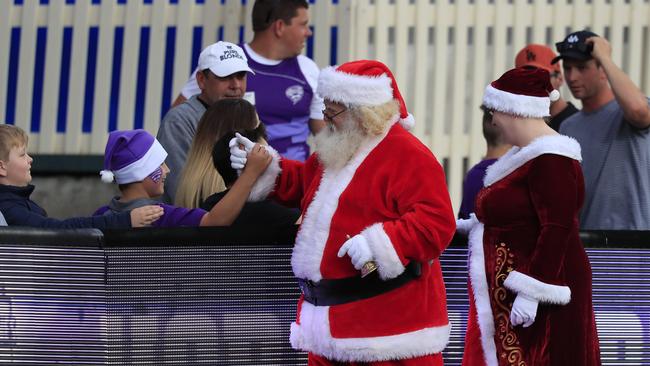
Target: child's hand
145, 215
258, 159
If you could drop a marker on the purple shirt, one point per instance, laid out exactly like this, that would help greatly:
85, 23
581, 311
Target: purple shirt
172, 217
472, 184
282, 99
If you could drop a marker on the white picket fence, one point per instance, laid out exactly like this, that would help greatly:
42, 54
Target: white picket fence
442, 52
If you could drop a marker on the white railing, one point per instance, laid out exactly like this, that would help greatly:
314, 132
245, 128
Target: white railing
442, 53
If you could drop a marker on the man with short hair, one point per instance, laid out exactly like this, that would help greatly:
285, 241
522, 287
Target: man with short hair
373, 196
283, 88
222, 74
496, 147
541, 56
612, 129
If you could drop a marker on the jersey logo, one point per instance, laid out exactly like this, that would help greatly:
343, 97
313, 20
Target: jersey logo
295, 93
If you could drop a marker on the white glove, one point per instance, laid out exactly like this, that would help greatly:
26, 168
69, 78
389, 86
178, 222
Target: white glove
464, 226
524, 310
358, 249
237, 154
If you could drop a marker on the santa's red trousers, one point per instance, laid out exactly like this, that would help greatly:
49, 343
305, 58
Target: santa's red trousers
430, 360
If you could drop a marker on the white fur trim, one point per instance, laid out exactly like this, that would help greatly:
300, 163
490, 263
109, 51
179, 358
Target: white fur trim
465, 226
478, 280
345, 88
517, 104
540, 291
141, 168
313, 335
388, 262
554, 95
315, 227
408, 122
107, 176
266, 182
518, 156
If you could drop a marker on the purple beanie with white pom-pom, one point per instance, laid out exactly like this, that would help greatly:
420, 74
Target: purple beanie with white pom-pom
130, 156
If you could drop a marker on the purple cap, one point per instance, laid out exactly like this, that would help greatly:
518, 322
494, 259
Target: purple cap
130, 156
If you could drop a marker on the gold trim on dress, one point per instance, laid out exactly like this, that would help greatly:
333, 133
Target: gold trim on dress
507, 338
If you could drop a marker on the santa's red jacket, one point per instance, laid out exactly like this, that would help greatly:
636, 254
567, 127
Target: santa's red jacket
393, 192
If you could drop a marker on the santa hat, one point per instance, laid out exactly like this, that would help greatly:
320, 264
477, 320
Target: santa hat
363, 83
131, 156
524, 91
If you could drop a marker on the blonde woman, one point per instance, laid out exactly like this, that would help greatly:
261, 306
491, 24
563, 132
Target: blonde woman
199, 178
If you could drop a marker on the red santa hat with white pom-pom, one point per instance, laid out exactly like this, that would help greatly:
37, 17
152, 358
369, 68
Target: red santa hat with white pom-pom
363, 83
523, 91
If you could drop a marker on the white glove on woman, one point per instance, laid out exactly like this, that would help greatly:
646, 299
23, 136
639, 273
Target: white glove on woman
524, 310
358, 249
464, 226
237, 154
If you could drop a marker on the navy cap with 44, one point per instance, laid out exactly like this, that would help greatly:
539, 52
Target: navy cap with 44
574, 46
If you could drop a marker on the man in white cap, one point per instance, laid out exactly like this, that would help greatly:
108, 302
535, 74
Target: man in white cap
222, 71
373, 197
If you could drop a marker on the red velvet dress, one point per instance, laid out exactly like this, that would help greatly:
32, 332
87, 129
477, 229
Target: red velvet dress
531, 245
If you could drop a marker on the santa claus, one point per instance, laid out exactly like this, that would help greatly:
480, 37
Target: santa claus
371, 194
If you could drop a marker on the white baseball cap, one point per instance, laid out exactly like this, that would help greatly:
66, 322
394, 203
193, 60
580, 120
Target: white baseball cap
223, 59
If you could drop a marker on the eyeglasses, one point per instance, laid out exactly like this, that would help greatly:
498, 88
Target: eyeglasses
578, 46
487, 110
330, 117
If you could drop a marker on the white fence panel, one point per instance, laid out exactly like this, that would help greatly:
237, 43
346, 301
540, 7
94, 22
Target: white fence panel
101, 100
183, 51
47, 133
5, 38
155, 70
322, 36
26, 60
77, 91
128, 76
443, 53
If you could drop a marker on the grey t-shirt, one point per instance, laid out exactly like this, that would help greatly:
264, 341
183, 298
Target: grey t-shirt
616, 167
175, 134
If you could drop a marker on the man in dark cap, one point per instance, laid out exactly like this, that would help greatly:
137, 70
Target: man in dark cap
612, 129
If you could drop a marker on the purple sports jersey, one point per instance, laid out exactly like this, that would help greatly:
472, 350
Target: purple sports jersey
282, 99
472, 185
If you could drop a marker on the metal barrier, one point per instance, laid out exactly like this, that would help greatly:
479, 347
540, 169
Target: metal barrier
191, 296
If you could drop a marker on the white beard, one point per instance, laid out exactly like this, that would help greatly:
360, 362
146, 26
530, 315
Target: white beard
335, 147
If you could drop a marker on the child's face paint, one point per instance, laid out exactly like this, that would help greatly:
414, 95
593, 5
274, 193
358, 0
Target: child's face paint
155, 184
156, 175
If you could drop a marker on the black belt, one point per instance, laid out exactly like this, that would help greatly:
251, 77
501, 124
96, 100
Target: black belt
341, 291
